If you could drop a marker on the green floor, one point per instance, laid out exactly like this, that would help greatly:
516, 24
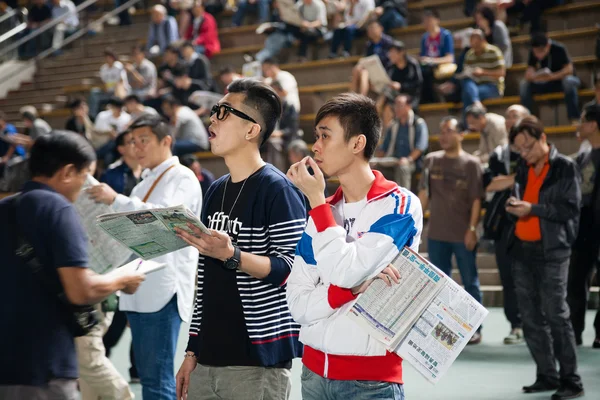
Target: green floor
489, 371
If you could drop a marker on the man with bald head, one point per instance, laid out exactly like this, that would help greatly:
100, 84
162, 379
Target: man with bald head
499, 179
162, 31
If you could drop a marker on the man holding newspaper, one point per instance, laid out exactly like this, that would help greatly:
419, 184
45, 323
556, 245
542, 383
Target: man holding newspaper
350, 239
155, 312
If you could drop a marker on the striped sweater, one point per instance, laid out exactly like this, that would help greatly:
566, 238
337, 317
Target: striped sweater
275, 218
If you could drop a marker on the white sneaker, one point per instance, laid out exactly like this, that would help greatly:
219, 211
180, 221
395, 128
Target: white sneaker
515, 337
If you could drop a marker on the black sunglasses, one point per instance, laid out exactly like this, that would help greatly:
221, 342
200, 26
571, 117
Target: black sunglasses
221, 110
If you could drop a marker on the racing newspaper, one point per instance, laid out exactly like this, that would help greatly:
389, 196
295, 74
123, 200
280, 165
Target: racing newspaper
150, 233
427, 319
105, 254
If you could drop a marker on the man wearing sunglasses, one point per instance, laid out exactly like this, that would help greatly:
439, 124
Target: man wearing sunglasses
242, 337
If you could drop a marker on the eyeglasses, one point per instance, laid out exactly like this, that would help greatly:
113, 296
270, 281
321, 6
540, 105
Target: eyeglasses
222, 110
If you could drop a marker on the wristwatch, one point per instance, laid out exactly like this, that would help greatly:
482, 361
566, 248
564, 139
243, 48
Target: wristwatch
234, 262
472, 228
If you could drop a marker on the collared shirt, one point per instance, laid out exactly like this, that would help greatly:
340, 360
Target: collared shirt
162, 34
179, 186
492, 59
66, 7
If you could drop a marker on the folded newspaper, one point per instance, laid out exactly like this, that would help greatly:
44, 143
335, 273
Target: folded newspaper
378, 76
150, 233
427, 318
104, 253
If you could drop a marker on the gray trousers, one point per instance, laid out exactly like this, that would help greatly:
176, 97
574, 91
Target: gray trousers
403, 175
57, 389
239, 383
541, 288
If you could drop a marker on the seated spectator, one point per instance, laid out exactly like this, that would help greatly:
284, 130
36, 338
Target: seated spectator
68, 26
141, 75
550, 70
189, 131
491, 127
355, 15
297, 150
484, 70
135, 107
286, 130
124, 16
406, 140
205, 177
214, 7
243, 6
272, 73
184, 14
405, 74
7, 150
198, 67
39, 14
34, 126
202, 32
162, 31
391, 14
495, 31
184, 87
227, 75
80, 121
126, 172
596, 99
114, 79
531, 11
106, 128
437, 54
379, 43
314, 14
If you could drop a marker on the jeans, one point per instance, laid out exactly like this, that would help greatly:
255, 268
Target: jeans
183, 147
242, 7
274, 43
315, 387
568, 85
391, 19
472, 92
346, 35
440, 254
541, 287
504, 262
403, 175
154, 337
306, 38
35, 45
584, 258
124, 17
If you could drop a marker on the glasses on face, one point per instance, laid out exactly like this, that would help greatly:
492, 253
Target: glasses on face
528, 148
222, 110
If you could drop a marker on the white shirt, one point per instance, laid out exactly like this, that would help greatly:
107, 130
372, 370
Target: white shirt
106, 121
66, 7
178, 186
290, 85
361, 8
113, 75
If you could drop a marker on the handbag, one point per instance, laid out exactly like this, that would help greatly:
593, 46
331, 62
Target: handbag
79, 319
444, 72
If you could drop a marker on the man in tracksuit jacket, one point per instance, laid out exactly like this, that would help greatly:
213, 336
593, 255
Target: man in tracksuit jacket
350, 239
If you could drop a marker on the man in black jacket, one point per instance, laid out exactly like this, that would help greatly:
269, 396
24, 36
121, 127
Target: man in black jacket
548, 216
587, 245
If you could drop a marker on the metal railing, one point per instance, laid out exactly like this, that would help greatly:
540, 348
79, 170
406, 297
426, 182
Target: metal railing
68, 40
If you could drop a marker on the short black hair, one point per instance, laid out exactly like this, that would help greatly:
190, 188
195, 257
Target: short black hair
448, 118
179, 70
76, 103
530, 125
475, 110
173, 49
132, 97
187, 43
228, 69
187, 160
487, 13
539, 39
109, 52
373, 21
53, 151
120, 139
408, 97
357, 115
156, 123
271, 61
138, 48
262, 98
592, 113
115, 101
28, 116
398, 45
431, 12
171, 100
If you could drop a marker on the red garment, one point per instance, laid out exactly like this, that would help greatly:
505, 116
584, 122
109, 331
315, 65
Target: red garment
206, 36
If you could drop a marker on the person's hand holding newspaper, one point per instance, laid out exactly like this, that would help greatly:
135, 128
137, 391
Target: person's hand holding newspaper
388, 275
216, 245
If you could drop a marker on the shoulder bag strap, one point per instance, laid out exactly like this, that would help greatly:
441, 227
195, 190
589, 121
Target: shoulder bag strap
147, 196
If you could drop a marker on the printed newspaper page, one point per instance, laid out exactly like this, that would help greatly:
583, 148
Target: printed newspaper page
442, 331
387, 313
150, 233
105, 254
378, 76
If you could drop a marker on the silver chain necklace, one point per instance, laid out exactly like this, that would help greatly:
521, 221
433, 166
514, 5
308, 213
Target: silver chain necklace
239, 193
